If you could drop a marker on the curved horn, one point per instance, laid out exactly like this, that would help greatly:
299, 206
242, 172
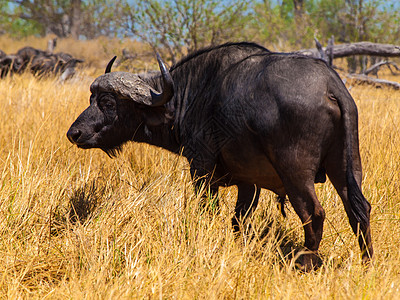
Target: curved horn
109, 65
168, 92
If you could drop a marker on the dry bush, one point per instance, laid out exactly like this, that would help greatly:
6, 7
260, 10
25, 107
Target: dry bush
76, 224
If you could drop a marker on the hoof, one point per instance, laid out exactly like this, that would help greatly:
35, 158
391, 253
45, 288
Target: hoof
308, 262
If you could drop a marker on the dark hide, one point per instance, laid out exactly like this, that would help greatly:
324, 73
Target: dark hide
44, 63
52, 64
10, 64
249, 117
28, 53
39, 63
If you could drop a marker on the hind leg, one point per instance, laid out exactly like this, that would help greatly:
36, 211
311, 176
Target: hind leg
247, 201
304, 201
336, 170
299, 186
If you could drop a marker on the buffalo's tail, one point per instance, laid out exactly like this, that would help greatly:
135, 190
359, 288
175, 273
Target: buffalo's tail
359, 216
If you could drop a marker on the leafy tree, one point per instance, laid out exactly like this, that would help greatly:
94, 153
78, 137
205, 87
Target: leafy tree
179, 26
49, 16
351, 20
15, 26
101, 18
89, 18
296, 22
357, 20
282, 24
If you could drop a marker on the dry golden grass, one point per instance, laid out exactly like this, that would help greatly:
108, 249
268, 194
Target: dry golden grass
76, 224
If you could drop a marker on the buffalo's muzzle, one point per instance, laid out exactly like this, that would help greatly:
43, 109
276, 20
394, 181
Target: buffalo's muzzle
73, 135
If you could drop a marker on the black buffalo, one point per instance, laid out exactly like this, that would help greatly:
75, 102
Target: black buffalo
56, 64
244, 116
28, 53
43, 63
10, 64
16, 63
39, 62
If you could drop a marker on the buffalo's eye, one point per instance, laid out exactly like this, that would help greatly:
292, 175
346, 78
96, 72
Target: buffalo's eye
106, 103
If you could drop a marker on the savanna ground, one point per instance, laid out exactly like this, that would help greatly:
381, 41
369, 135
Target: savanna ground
77, 224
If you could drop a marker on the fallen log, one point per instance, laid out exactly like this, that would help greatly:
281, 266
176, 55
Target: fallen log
375, 81
360, 48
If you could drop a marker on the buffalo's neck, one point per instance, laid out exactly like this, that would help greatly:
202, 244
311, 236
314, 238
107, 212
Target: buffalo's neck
164, 137
160, 135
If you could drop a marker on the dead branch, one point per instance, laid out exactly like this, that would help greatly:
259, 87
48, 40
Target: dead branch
361, 48
326, 55
378, 65
375, 81
321, 52
329, 50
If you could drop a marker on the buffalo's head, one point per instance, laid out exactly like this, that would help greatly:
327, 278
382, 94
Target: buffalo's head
120, 104
10, 63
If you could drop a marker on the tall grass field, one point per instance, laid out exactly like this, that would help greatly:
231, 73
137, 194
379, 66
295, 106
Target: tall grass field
75, 224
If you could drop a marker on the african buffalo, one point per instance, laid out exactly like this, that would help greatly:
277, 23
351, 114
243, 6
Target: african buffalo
28, 53
10, 64
44, 63
53, 64
244, 116
39, 62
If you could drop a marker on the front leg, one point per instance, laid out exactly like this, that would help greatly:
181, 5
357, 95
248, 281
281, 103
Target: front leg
209, 191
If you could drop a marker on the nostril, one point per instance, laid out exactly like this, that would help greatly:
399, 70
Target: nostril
73, 135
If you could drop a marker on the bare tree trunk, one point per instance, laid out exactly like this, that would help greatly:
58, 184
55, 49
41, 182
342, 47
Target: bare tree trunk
51, 45
76, 18
299, 19
361, 48
298, 8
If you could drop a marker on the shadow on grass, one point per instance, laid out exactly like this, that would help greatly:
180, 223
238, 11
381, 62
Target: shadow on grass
290, 251
84, 201
79, 209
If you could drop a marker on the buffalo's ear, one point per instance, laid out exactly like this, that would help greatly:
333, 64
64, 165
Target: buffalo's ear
155, 116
